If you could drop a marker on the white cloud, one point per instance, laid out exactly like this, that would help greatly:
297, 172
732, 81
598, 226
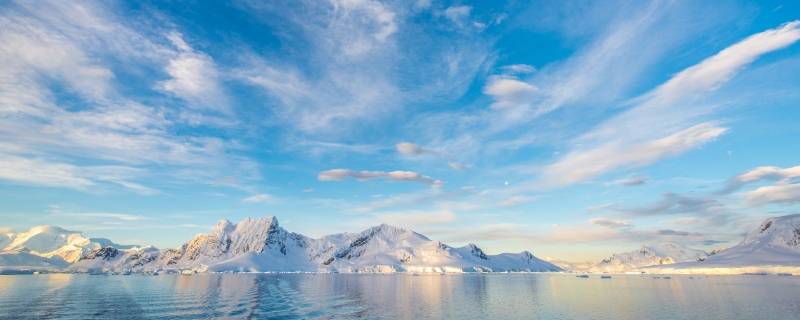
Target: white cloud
258, 198
674, 204
601, 70
351, 42
456, 165
783, 175
410, 149
42, 172
341, 174
669, 113
36, 171
194, 77
361, 64
785, 188
382, 21
630, 181
781, 193
516, 200
583, 164
55, 50
458, 14
714, 71
610, 223
102, 215
518, 69
509, 92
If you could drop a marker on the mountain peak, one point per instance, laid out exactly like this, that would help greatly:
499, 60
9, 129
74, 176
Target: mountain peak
783, 231
268, 221
222, 226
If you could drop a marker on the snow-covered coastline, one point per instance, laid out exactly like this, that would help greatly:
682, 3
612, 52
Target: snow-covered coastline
262, 246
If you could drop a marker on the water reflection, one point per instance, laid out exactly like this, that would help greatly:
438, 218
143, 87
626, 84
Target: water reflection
374, 296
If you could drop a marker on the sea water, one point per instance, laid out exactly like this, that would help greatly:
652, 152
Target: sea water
397, 296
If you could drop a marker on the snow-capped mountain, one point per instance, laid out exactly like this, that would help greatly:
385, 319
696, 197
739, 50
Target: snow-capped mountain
773, 246
649, 255
47, 247
260, 245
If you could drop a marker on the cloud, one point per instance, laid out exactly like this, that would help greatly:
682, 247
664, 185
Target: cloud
583, 164
518, 69
456, 165
410, 149
458, 14
631, 181
64, 115
383, 22
347, 78
670, 232
669, 113
712, 72
258, 198
672, 203
105, 215
341, 174
194, 77
42, 172
610, 223
784, 187
516, 200
509, 92
780, 193
585, 76
762, 173
349, 44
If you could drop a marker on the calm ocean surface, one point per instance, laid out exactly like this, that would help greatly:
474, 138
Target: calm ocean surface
371, 296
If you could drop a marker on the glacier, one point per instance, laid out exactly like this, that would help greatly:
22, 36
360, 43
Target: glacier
665, 253
772, 247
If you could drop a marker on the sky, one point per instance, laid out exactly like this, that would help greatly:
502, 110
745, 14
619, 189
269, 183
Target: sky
573, 129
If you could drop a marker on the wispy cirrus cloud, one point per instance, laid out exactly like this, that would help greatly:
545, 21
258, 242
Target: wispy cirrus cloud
672, 127
258, 198
341, 174
610, 223
583, 164
411, 149
64, 112
780, 193
630, 181
348, 79
762, 173
103, 215
673, 203
194, 77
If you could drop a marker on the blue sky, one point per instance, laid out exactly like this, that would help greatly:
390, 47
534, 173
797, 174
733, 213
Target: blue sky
571, 129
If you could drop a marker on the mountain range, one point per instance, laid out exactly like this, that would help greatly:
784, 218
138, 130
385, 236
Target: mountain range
260, 245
